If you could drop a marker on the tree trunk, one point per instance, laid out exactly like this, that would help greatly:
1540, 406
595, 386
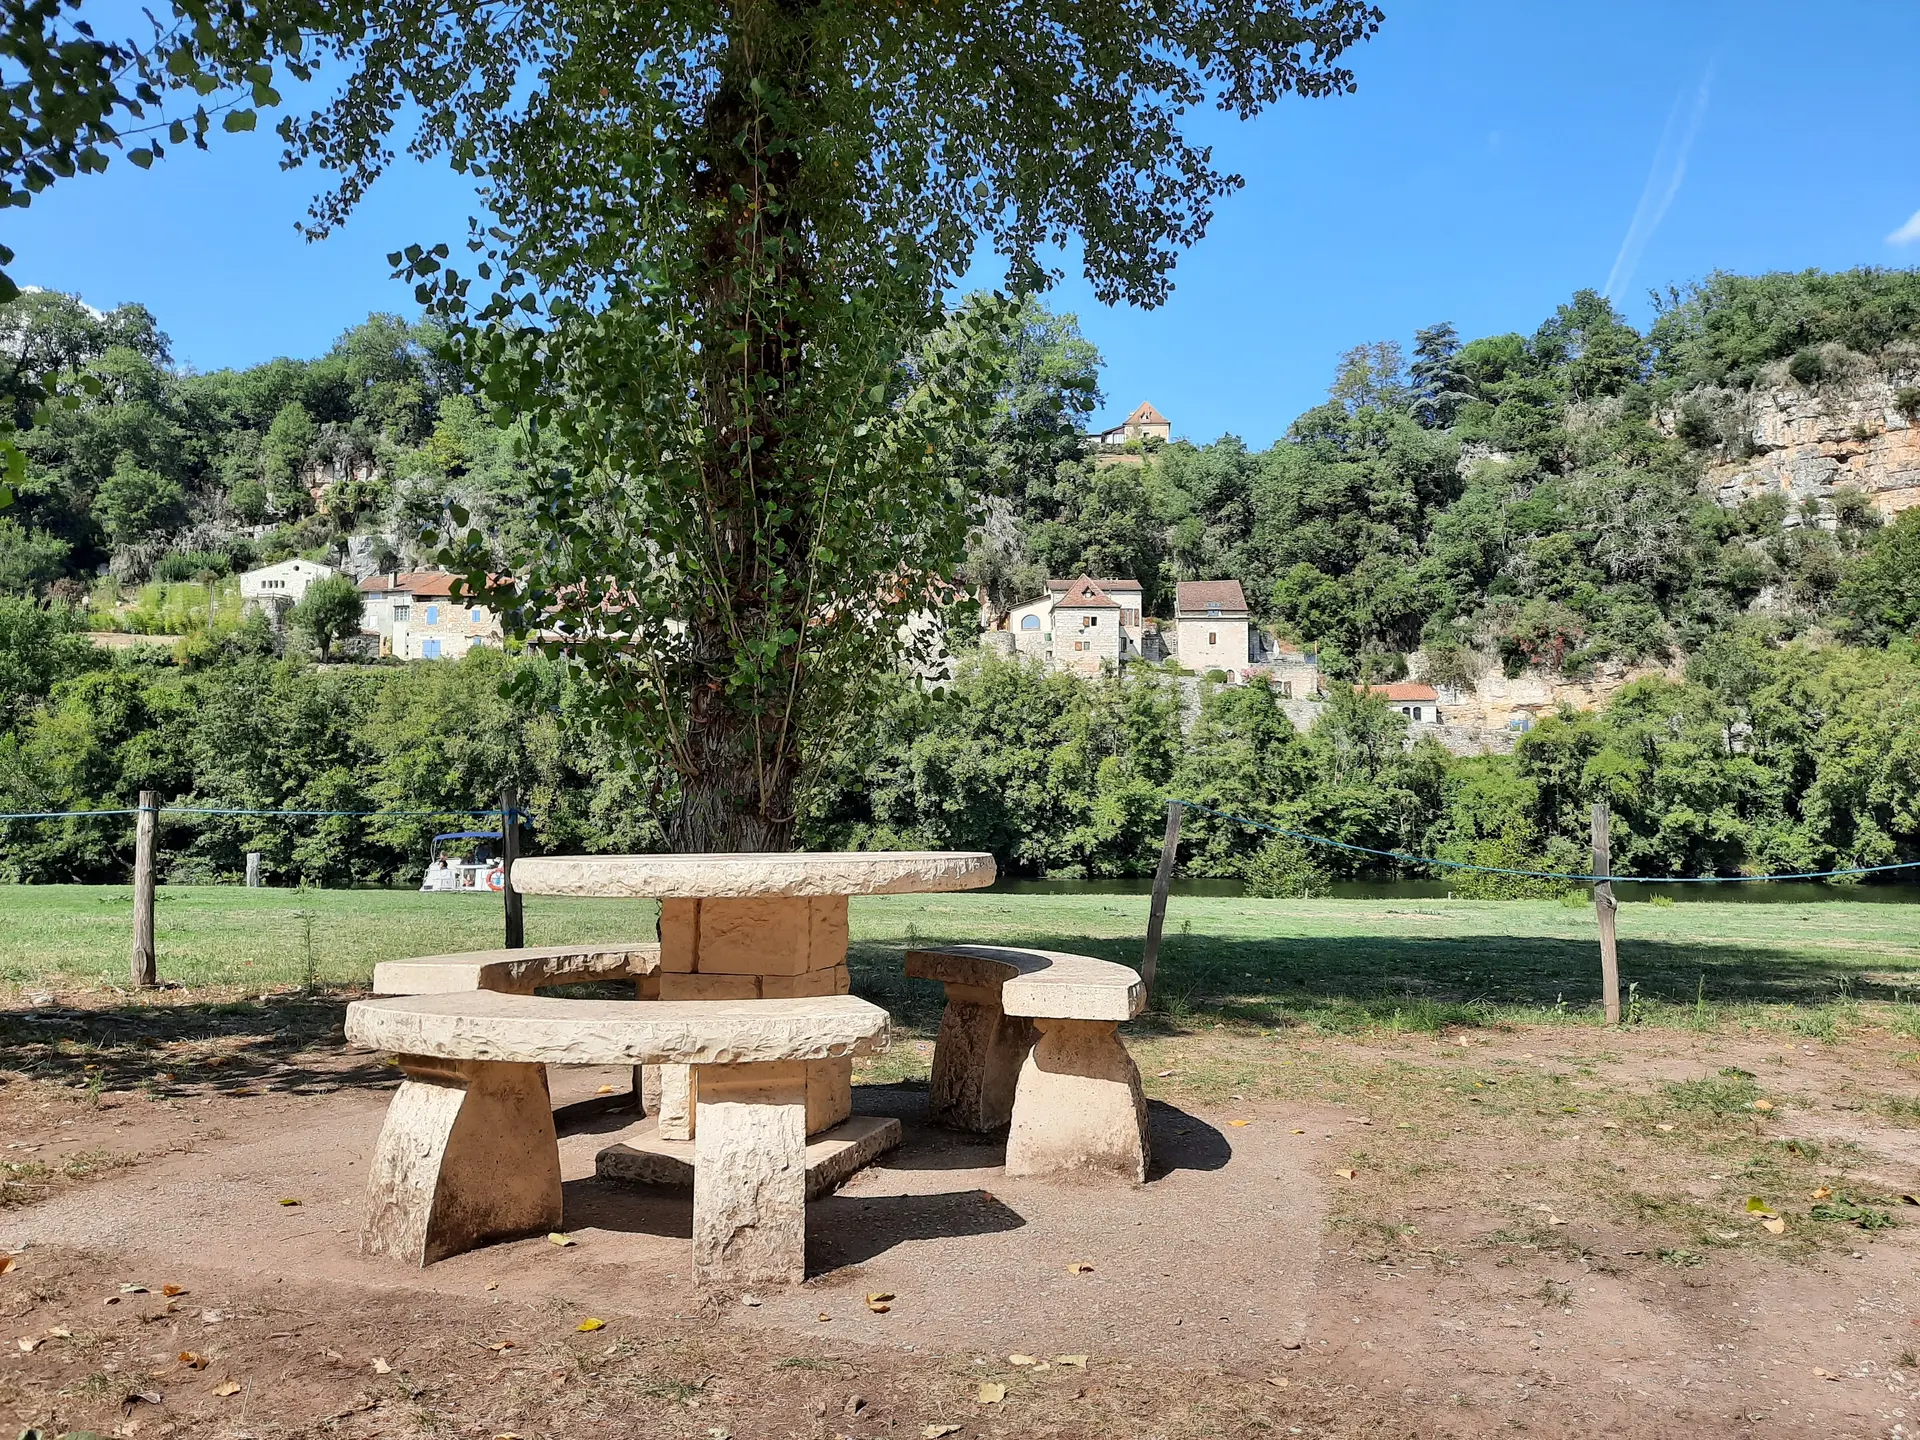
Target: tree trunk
742, 747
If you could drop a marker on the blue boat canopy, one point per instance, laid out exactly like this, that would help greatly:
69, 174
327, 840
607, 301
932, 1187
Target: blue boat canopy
467, 835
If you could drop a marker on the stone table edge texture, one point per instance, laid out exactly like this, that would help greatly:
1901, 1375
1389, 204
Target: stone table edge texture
487, 1025
799, 874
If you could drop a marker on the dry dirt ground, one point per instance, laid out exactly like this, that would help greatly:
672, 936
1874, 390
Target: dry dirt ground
1534, 1231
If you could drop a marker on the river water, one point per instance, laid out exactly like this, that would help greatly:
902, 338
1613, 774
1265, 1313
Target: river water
1775, 892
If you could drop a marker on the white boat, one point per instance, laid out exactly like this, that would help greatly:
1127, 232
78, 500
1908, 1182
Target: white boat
479, 874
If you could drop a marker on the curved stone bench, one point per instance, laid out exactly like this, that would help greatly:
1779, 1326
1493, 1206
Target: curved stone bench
468, 1151
1030, 1040
520, 972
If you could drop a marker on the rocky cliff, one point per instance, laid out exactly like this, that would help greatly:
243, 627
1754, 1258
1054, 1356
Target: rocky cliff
1806, 443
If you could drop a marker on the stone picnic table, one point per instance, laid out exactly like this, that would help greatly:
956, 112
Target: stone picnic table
766, 926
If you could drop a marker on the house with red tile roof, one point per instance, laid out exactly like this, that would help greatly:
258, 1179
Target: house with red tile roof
417, 617
1080, 624
1419, 703
1145, 422
1212, 628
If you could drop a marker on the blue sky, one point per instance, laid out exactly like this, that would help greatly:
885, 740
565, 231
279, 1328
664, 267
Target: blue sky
1498, 156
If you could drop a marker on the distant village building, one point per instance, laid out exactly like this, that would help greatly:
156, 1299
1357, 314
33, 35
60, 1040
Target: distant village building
1211, 629
276, 589
417, 618
1144, 423
1080, 623
1419, 703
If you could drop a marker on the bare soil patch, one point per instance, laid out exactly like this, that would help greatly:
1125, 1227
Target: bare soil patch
1544, 1231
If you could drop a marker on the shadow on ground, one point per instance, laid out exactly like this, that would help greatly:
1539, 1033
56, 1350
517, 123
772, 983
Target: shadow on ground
1426, 982
292, 1043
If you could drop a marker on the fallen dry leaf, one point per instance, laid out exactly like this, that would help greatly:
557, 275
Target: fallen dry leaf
1910, 1199
934, 1432
133, 1290
1757, 1206
556, 1238
991, 1393
499, 1347
1079, 1362
877, 1301
59, 1332
1663, 1127
492, 1285
193, 1361
381, 1367
1346, 1174
1239, 1124
289, 1200
1022, 1360
1279, 1382
1763, 1105
1774, 1226
823, 1317
227, 1387
590, 1324
1079, 1267
1824, 1374
1163, 1074
1825, 1192
28, 1343
6, 1263
1299, 1132
604, 1090
171, 1290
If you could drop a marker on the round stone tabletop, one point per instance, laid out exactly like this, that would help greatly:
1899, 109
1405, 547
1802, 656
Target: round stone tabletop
719, 877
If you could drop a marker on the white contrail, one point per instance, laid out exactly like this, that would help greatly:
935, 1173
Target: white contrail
1663, 181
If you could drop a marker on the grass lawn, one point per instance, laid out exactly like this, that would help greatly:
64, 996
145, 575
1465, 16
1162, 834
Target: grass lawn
1340, 966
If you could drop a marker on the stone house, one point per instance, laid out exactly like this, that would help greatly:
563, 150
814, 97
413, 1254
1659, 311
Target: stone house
276, 589
417, 618
1211, 629
1079, 623
1419, 703
1145, 422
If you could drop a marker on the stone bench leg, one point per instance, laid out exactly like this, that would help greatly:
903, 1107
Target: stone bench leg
1079, 1105
674, 1118
750, 1175
976, 1061
467, 1155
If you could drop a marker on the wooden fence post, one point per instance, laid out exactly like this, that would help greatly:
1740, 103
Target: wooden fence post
1604, 905
145, 972
509, 852
1157, 913
253, 869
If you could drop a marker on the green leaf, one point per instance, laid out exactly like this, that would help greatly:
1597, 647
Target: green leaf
142, 157
237, 121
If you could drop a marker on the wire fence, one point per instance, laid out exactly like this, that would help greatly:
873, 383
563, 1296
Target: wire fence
1436, 862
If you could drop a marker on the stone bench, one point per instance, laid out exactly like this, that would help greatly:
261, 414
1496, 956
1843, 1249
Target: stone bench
1030, 1040
521, 972
468, 1152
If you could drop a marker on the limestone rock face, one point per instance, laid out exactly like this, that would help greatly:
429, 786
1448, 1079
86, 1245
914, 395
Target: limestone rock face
1808, 443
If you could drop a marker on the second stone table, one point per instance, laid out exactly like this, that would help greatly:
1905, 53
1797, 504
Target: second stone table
764, 926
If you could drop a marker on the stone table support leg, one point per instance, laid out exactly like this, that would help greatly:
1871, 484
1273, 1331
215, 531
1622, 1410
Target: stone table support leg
976, 1061
767, 948
675, 1115
750, 1175
1079, 1105
467, 1155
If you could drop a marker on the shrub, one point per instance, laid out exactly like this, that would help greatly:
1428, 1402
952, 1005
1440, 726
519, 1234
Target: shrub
1286, 869
1218, 677
1907, 400
1695, 426
1806, 366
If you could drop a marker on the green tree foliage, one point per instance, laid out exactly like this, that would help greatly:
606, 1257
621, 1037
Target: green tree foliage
329, 612
1881, 591
759, 447
1726, 328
